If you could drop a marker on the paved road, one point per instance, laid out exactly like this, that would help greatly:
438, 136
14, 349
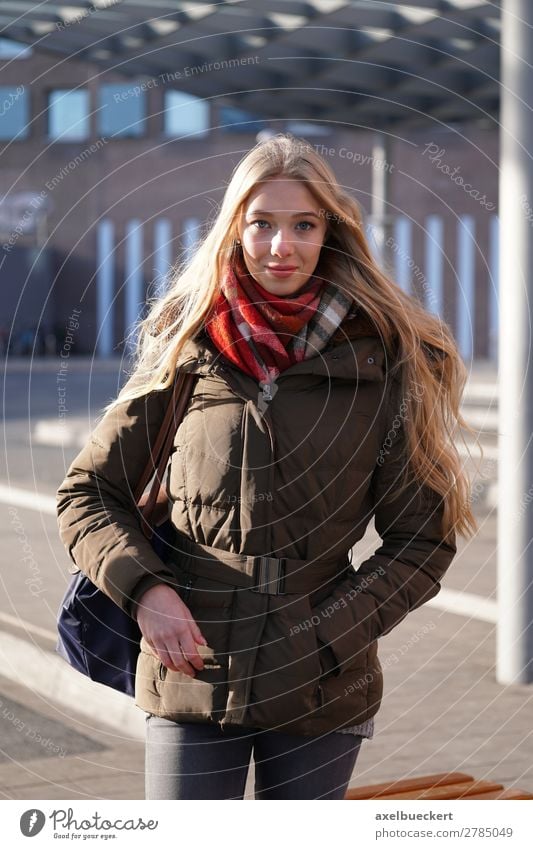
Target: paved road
31, 393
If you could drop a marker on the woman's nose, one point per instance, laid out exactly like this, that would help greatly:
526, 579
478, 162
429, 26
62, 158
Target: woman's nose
281, 244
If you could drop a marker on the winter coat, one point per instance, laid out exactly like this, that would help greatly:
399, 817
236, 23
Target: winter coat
269, 492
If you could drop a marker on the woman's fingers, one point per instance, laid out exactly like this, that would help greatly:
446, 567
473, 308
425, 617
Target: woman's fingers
174, 660
180, 654
190, 652
170, 630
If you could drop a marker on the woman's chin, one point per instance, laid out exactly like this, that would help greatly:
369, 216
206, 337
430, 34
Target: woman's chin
282, 287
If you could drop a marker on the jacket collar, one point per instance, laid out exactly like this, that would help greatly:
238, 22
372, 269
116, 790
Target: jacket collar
354, 352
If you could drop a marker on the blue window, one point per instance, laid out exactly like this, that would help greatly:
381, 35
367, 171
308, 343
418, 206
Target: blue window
307, 128
13, 112
235, 120
68, 115
121, 110
10, 49
185, 115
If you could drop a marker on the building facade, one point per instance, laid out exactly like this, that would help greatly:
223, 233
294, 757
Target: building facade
106, 181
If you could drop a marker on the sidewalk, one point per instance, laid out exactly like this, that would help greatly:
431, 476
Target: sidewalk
47, 751
442, 708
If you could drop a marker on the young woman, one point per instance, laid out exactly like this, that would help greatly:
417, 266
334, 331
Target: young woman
325, 396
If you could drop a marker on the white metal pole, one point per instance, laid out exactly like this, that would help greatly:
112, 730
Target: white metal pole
494, 307
515, 451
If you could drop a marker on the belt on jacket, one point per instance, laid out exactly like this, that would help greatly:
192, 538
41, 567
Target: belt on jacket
260, 573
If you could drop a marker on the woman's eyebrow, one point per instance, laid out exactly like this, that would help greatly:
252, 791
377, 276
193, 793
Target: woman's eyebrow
294, 215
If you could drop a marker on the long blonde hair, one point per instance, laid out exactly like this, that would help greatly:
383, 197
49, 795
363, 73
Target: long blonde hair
418, 341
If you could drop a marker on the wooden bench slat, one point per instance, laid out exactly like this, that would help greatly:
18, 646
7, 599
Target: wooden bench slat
442, 785
448, 791
420, 782
503, 794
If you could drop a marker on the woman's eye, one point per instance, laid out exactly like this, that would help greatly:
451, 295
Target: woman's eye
303, 225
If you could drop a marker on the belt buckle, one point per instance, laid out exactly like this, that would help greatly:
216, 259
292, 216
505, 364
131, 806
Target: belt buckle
269, 575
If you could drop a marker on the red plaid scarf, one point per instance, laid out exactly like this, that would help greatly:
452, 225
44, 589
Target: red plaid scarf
264, 334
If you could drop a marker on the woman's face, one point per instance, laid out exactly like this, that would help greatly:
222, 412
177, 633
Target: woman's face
282, 230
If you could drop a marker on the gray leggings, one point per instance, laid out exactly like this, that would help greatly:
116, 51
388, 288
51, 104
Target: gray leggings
188, 760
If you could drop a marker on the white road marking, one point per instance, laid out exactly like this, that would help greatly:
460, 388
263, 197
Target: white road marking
26, 498
465, 604
28, 626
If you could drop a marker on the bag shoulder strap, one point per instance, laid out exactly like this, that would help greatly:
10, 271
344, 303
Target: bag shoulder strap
181, 393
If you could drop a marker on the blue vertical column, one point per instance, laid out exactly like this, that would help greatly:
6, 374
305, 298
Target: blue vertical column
162, 255
372, 234
381, 219
466, 244
402, 251
105, 287
134, 280
191, 234
434, 255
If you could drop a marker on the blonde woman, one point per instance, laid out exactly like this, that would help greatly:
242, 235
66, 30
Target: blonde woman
325, 397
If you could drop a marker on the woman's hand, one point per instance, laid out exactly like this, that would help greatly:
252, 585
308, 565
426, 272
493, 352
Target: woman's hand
169, 629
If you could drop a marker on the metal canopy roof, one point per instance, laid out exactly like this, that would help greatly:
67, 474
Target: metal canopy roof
366, 62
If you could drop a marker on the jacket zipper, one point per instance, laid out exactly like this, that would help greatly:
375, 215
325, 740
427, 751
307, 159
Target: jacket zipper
271, 476
266, 396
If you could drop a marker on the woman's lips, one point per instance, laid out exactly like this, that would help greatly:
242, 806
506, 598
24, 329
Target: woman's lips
282, 271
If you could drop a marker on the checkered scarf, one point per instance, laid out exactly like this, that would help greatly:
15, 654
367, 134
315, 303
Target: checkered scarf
264, 334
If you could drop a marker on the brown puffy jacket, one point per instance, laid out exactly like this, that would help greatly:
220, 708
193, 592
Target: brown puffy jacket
268, 497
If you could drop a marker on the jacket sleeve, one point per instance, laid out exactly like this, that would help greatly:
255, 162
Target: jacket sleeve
97, 515
403, 573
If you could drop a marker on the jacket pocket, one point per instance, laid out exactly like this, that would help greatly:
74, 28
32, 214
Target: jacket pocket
198, 698
341, 688
204, 695
327, 659
335, 627
345, 697
147, 680
328, 669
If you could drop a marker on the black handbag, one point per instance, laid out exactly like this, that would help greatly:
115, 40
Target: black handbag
95, 636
